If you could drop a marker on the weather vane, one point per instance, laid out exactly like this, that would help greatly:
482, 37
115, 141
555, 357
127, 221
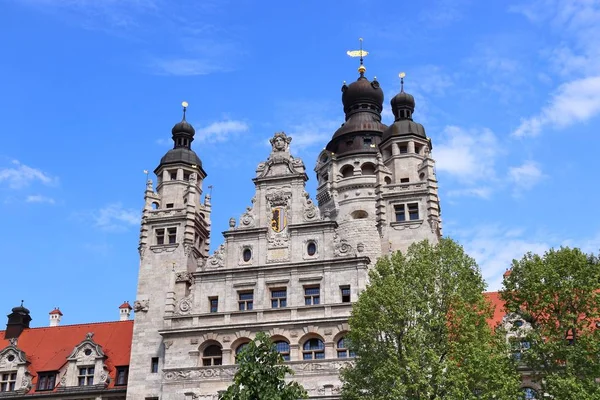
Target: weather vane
359, 53
185, 105
402, 75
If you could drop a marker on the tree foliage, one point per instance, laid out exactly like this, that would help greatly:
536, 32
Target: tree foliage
261, 375
419, 331
558, 295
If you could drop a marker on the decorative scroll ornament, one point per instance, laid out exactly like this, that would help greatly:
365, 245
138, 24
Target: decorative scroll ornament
218, 257
184, 306
311, 212
342, 247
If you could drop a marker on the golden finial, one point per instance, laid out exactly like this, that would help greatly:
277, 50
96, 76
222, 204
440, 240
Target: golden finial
359, 53
402, 75
184, 104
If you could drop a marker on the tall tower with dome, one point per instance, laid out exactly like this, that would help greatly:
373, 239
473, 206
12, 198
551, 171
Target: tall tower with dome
289, 265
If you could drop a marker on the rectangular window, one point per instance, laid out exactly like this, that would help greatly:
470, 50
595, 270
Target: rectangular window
214, 304
154, 365
403, 149
172, 232
169, 205
8, 381
160, 236
413, 211
404, 180
122, 376
345, 294
246, 301
46, 381
400, 213
278, 298
418, 149
173, 175
312, 295
86, 376
186, 176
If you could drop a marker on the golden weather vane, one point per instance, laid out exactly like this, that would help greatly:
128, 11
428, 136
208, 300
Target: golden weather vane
359, 53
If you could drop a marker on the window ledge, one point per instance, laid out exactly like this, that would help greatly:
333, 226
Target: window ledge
167, 248
407, 224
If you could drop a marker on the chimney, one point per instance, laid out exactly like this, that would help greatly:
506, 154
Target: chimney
55, 316
124, 311
18, 320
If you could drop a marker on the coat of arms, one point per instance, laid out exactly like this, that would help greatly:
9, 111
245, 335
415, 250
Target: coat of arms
278, 219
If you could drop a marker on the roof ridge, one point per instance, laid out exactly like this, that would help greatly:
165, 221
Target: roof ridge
87, 323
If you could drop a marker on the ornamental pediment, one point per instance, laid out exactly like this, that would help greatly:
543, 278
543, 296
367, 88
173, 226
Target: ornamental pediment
87, 350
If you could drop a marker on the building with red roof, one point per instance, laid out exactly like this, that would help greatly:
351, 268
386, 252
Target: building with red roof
88, 361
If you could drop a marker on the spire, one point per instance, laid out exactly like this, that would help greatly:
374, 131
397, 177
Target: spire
183, 132
361, 54
185, 105
401, 75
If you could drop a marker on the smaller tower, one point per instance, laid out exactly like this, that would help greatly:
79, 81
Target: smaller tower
18, 321
55, 316
124, 311
409, 206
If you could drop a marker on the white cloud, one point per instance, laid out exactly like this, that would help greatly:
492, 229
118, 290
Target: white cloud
316, 132
187, 67
114, 217
40, 199
526, 175
467, 155
573, 102
481, 192
220, 131
21, 175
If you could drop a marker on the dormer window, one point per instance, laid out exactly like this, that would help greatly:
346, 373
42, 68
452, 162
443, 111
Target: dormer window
86, 376
46, 381
8, 381
122, 376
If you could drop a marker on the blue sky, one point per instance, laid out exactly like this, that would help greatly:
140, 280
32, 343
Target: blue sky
509, 92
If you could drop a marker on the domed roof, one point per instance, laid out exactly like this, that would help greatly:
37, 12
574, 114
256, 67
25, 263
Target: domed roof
181, 155
403, 99
20, 309
404, 127
183, 127
362, 92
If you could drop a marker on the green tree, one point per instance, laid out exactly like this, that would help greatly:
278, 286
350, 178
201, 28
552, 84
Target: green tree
420, 331
558, 296
261, 375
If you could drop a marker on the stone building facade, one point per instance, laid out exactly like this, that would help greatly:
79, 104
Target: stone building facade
290, 266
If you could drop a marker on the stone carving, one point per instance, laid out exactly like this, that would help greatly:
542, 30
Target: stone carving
184, 306
168, 343
141, 305
142, 251
231, 223
200, 373
218, 257
149, 185
280, 142
187, 249
311, 212
193, 178
63, 380
25, 382
12, 342
435, 226
104, 378
184, 277
342, 247
279, 198
360, 247
247, 219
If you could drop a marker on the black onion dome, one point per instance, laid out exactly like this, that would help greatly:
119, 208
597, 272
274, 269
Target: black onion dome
362, 92
403, 106
181, 155
183, 127
404, 100
20, 309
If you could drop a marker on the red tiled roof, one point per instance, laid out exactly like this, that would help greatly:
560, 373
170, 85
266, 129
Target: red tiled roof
47, 348
55, 311
126, 305
498, 306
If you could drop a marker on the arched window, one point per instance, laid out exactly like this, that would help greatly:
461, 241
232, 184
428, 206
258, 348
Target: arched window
359, 214
154, 205
313, 349
342, 349
529, 394
368, 169
239, 349
283, 348
347, 171
387, 180
212, 355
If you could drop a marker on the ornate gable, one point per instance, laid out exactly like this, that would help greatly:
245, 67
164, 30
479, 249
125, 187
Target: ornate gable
14, 360
89, 356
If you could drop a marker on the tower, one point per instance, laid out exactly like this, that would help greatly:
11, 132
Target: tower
174, 240
408, 204
349, 170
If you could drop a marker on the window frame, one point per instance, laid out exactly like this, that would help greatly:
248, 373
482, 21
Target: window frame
309, 298
346, 298
213, 308
248, 303
85, 375
211, 360
122, 375
154, 365
400, 212
285, 354
313, 353
413, 211
8, 381
343, 351
159, 233
46, 381
172, 235
278, 301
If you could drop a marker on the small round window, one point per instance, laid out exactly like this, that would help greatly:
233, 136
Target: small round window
247, 254
311, 248
10, 358
87, 352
